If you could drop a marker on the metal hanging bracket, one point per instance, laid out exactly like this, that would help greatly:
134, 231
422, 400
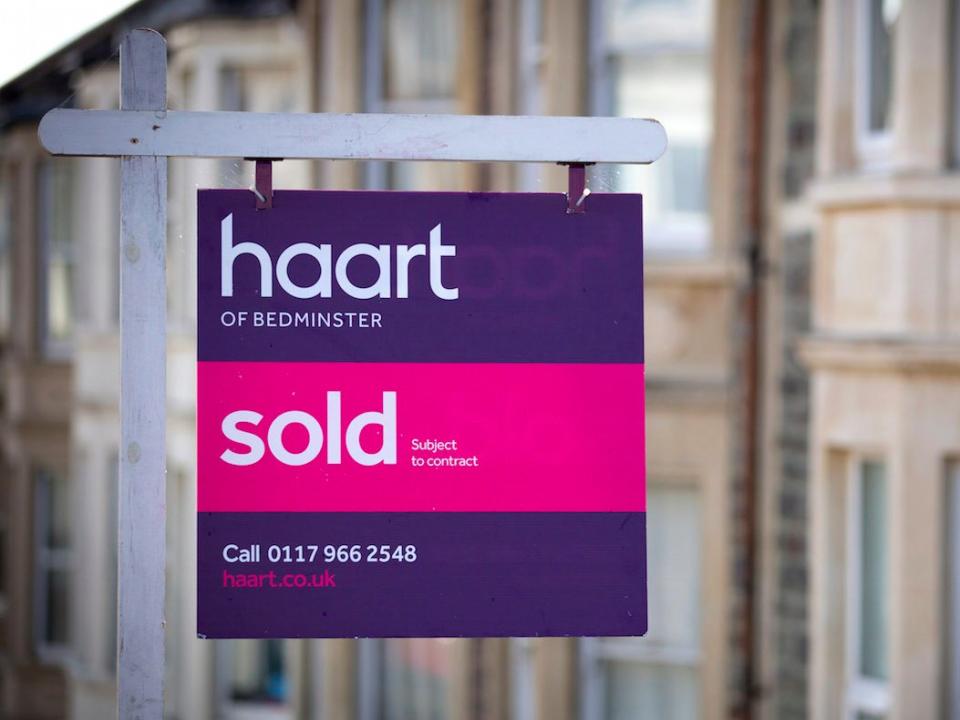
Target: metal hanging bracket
577, 189
263, 182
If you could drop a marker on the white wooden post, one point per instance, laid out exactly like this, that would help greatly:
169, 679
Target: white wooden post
143, 323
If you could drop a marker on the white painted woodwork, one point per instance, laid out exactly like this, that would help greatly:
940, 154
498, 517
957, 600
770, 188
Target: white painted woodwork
360, 136
143, 322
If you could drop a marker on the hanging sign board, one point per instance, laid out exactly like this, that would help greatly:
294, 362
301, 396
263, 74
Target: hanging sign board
420, 414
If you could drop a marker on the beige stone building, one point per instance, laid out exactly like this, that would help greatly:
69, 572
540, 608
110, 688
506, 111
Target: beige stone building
802, 335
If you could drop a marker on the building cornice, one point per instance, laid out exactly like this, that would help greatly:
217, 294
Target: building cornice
890, 355
706, 271
885, 190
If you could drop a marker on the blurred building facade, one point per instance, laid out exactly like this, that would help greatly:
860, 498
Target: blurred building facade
803, 352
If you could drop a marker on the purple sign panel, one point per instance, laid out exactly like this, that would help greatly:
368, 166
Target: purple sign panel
420, 414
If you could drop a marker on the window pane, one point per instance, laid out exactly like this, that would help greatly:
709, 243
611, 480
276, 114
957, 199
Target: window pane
637, 690
420, 57
870, 716
57, 605
874, 594
3, 564
652, 75
55, 222
688, 178
952, 604
258, 671
673, 568
6, 259
51, 559
523, 688
883, 15
415, 680
55, 510
424, 175
663, 681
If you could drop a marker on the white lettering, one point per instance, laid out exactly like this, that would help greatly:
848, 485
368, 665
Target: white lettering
380, 253
330, 270
322, 286
256, 449
229, 254
387, 454
438, 251
314, 434
232, 432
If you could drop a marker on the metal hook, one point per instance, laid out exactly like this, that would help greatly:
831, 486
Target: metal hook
263, 182
577, 189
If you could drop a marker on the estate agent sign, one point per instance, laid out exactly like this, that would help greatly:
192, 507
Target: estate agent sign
420, 414
493, 436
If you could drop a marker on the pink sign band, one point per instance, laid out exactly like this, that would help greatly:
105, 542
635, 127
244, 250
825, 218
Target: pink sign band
446, 437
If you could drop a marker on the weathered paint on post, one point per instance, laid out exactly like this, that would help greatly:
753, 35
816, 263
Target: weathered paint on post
143, 321
361, 136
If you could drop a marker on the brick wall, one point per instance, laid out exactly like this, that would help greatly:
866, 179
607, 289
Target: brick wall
791, 502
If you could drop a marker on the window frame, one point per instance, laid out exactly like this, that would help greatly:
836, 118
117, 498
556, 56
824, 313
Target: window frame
595, 651
7, 235
231, 708
861, 694
46, 560
50, 348
376, 173
872, 146
954, 83
531, 87
372, 686
951, 590
676, 234
523, 686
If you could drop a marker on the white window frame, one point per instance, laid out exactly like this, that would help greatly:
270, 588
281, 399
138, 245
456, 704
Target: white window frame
7, 234
375, 175
678, 234
46, 559
531, 89
595, 651
371, 659
873, 147
50, 348
523, 685
862, 694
